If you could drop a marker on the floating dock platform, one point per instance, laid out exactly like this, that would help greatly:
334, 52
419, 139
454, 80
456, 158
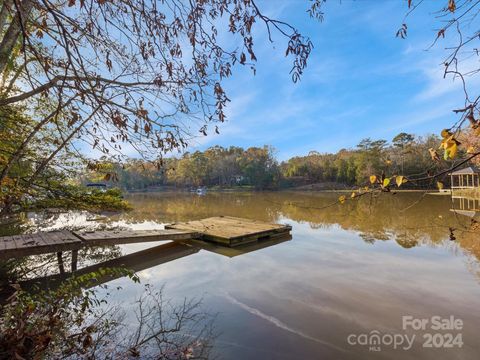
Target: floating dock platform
232, 231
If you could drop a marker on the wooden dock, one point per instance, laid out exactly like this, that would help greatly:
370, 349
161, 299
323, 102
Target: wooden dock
225, 230
232, 231
226, 236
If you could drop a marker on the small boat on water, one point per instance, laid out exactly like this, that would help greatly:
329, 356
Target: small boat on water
201, 191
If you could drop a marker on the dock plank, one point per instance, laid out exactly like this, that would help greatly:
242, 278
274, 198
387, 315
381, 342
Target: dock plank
39, 243
115, 237
9, 243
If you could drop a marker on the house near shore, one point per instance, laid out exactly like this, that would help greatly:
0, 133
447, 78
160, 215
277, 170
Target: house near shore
466, 178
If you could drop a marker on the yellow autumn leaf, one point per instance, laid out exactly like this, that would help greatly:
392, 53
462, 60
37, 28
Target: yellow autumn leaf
452, 150
450, 145
373, 179
445, 133
388, 162
470, 150
444, 144
342, 199
386, 182
439, 185
446, 154
400, 179
354, 194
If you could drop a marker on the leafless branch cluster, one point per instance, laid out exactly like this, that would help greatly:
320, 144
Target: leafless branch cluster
459, 33
160, 330
70, 322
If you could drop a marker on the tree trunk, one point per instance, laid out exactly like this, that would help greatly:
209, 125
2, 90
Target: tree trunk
6, 8
13, 32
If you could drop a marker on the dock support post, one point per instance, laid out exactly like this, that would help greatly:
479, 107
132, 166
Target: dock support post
74, 260
61, 268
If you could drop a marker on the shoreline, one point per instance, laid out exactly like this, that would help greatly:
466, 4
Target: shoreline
232, 190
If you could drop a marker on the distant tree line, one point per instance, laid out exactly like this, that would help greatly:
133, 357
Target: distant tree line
406, 154
258, 167
216, 166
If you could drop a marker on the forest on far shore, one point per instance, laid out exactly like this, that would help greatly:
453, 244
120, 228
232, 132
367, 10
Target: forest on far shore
258, 168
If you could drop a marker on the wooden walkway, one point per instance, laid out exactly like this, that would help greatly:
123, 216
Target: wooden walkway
225, 230
58, 241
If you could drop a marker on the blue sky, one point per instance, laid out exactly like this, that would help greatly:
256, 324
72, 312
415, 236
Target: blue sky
361, 81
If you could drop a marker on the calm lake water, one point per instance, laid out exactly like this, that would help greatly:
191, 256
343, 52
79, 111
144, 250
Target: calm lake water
348, 270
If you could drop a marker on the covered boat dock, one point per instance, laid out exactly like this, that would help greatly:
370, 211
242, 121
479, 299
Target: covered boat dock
466, 178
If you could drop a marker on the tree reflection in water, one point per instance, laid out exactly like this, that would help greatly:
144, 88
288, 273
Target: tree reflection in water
408, 218
73, 321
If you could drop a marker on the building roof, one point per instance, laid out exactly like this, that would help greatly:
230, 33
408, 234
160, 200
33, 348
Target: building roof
466, 171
